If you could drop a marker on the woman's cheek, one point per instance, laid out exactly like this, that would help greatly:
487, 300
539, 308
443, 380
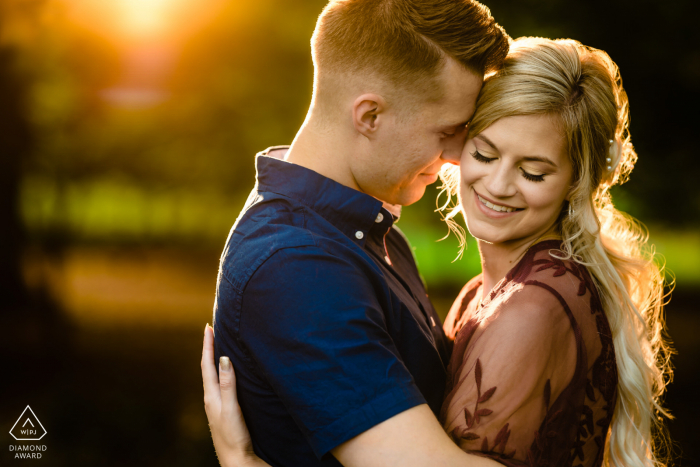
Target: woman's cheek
470, 170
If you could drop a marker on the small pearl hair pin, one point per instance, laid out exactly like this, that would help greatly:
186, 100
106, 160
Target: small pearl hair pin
614, 154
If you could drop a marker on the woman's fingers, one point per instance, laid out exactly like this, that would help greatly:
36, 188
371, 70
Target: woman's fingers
212, 394
227, 383
228, 429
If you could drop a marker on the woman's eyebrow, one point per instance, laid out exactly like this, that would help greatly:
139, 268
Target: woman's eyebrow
539, 159
486, 140
542, 159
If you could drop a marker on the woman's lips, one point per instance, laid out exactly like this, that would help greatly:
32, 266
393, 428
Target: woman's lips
493, 213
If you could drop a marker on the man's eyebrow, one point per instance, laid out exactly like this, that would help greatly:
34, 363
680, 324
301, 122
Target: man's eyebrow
457, 125
542, 159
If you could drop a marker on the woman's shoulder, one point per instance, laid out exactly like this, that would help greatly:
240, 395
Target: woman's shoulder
460, 305
547, 267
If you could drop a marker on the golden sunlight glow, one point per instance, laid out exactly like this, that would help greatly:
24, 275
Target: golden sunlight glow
142, 20
144, 16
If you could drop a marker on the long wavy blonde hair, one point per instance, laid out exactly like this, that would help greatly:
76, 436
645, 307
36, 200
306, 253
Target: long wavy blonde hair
582, 87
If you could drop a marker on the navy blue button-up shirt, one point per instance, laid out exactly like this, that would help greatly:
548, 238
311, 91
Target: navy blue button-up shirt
321, 309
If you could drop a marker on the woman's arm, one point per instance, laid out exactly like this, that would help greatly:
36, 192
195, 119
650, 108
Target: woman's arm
412, 438
228, 429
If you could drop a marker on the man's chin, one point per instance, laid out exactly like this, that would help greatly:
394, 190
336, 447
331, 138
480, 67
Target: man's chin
409, 197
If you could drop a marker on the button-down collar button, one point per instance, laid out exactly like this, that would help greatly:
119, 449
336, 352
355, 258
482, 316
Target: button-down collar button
380, 217
359, 235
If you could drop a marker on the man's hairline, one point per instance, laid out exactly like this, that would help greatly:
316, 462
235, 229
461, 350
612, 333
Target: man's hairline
381, 81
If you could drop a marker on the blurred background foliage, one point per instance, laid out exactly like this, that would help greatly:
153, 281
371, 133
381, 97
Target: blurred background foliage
127, 134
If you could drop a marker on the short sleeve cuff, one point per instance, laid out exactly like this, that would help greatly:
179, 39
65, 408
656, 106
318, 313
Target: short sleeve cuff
359, 420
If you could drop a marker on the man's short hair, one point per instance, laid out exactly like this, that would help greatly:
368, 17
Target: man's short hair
406, 41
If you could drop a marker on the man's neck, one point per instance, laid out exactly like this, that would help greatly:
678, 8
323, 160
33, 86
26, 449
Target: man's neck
324, 150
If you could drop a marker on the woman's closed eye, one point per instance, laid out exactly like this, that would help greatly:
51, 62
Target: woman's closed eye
532, 177
481, 158
528, 176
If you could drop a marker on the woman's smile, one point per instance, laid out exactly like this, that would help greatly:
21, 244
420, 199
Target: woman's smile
493, 209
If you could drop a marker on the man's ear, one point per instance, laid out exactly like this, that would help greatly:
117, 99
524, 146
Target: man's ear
368, 113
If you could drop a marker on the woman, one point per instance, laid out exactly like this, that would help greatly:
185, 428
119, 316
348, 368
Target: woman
559, 357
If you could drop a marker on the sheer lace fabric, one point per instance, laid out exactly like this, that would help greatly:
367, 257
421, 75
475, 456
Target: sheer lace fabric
532, 379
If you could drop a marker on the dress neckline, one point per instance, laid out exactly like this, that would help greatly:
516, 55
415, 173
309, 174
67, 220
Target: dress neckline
553, 244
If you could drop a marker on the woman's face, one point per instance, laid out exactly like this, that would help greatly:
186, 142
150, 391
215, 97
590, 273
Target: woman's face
515, 177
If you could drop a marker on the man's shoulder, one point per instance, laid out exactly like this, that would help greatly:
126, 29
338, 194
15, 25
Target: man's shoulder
261, 231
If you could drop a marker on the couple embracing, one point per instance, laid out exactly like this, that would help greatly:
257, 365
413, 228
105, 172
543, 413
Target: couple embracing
553, 355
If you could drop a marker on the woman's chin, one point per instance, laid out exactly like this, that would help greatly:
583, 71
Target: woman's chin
487, 235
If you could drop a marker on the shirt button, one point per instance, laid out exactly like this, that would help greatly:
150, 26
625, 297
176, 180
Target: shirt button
380, 217
359, 235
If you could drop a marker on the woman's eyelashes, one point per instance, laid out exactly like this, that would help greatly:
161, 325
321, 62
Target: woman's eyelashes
531, 177
481, 158
528, 176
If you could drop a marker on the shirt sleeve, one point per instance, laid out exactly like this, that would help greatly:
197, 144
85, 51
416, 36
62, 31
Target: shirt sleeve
517, 355
314, 327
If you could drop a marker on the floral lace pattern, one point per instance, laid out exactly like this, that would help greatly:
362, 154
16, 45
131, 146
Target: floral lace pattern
533, 378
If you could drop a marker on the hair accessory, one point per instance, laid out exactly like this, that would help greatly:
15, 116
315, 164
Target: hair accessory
613, 155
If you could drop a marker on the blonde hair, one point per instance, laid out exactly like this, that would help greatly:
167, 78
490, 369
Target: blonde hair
581, 86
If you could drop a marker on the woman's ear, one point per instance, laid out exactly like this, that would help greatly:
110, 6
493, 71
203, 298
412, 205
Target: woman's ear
367, 114
570, 193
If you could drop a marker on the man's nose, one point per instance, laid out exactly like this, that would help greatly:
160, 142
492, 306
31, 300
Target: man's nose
452, 153
451, 156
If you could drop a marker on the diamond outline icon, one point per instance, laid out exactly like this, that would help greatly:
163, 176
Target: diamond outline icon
20, 418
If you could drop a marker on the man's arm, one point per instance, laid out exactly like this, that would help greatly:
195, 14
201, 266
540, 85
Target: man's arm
314, 326
413, 438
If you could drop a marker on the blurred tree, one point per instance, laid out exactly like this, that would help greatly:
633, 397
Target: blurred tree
15, 146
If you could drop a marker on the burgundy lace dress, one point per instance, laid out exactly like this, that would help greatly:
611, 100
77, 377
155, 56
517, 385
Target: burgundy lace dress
532, 379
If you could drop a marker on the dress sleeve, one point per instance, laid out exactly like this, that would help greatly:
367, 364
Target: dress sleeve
512, 359
314, 327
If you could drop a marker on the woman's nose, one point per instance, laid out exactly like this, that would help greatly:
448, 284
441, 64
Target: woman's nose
500, 183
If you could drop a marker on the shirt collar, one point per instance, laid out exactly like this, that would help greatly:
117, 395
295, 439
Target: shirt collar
354, 213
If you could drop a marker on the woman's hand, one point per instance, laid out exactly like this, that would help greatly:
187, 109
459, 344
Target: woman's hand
228, 429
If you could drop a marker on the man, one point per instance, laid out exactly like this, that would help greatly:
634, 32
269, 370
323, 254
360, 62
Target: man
339, 355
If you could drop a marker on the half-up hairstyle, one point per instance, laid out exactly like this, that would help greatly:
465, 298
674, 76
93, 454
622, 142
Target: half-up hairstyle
581, 87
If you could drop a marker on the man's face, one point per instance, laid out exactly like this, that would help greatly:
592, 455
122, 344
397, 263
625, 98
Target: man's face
412, 145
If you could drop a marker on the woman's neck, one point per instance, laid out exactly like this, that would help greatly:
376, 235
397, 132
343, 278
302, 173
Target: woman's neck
499, 258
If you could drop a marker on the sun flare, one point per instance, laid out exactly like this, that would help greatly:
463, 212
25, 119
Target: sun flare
144, 16
139, 20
